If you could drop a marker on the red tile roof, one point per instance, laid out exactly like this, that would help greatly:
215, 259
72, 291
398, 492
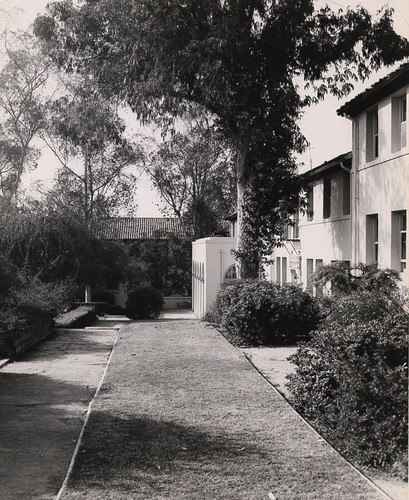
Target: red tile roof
142, 228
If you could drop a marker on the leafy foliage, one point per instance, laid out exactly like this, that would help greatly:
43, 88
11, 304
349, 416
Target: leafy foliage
54, 244
86, 134
261, 312
194, 174
164, 264
238, 60
77, 318
22, 99
144, 302
351, 379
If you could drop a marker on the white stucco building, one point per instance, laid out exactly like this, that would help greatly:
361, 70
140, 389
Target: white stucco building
358, 202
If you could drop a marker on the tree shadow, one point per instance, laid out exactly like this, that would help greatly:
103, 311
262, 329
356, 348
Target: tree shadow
41, 419
118, 449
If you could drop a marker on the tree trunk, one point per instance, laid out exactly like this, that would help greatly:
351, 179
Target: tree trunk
248, 263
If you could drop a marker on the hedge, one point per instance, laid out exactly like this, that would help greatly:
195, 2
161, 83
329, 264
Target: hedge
77, 318
351, 379
264, 313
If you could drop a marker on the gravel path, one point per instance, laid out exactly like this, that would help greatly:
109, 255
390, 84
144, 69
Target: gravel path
183, 415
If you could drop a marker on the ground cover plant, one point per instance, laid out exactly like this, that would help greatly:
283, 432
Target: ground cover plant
259, 312
351, 378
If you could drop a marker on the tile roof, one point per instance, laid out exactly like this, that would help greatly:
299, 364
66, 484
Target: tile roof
141, 228
345, 159
382, 88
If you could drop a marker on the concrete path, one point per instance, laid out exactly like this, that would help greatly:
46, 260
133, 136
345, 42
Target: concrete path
44, 396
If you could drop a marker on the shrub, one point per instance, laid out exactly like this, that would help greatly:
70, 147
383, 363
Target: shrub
144, 302
53, 298
77, 318
260, 312
351, 380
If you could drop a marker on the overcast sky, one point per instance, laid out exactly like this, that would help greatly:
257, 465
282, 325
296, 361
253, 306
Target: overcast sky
329, 135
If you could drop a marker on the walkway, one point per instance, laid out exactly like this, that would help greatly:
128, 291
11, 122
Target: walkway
181, 415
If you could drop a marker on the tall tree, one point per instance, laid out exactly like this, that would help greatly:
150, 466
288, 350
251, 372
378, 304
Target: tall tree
98, 162
194, 175
23, 80
239, 60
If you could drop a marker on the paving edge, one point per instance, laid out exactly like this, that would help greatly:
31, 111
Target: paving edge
81, 434
4, 362
361, 474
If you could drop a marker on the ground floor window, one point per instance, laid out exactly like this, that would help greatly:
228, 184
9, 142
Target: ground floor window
398, 243
231, 273
372, 237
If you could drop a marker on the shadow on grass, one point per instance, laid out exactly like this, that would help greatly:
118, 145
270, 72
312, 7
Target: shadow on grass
140, 447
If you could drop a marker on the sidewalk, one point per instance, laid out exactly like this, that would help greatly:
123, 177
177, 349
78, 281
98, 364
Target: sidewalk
182, 415
44, 396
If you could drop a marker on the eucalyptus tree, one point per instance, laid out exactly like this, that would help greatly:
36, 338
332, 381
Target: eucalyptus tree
23, 94
98, 162
239, 60
193, 172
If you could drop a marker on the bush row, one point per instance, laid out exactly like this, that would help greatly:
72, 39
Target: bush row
350, 380
80, 317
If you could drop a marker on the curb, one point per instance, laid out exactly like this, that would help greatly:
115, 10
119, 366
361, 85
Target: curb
4, 362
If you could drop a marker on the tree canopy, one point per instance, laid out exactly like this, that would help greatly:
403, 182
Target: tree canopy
239, 60
22, 83
86, 134
194, 174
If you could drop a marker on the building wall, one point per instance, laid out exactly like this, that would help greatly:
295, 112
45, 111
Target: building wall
211, 258
380, 185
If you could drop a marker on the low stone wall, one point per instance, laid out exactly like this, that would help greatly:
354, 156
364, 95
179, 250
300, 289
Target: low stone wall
25, 337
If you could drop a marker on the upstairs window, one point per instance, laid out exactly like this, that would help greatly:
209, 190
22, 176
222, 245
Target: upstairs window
293, 228
399, 123
327, 198
310, 202
372, 135
346, 193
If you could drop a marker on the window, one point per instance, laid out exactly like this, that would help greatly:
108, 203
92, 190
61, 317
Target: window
278, 269
372, 243
284, 269
318, 288
293, 228
327, 198
310, 269
372, 135
310, 202
346, 193
231, 273
398, 247
399, 123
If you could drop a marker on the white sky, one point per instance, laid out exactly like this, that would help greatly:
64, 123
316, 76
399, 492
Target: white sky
327, 133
